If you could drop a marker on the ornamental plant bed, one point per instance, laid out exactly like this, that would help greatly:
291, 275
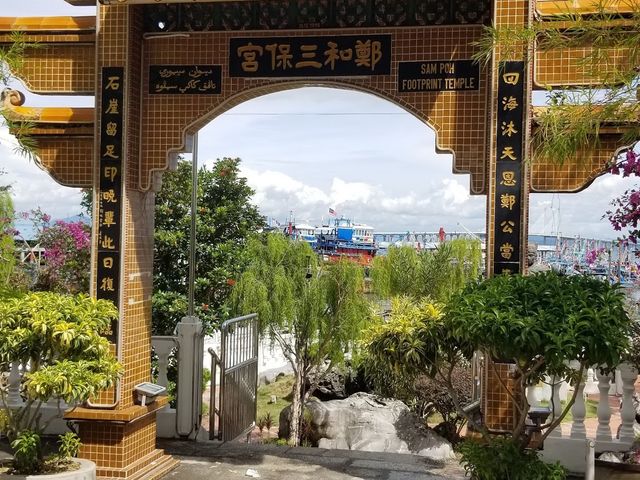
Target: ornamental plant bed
55, 348
619, 467
616, 471
53, 469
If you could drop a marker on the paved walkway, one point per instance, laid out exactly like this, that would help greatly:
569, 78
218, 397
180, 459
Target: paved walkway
232, 461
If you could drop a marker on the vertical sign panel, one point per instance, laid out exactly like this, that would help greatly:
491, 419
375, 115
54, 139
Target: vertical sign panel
110, 192
508, 201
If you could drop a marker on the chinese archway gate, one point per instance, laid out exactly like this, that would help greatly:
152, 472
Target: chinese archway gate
160, 70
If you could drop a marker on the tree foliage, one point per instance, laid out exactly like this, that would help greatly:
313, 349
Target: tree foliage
11, 62
225, 218
67, 257
626, 212
314, 311
434, 274
61, 338
539, 322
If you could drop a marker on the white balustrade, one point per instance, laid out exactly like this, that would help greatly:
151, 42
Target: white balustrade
603, 433
579, 412
532, 396
163, 346
555, 404
13, 395
628, 375
569, 450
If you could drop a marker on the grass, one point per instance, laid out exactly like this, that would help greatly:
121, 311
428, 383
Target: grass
281, 388
591, 407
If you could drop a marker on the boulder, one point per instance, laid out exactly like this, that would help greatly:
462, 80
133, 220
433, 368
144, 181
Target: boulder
370, 423
331, 387
340, 382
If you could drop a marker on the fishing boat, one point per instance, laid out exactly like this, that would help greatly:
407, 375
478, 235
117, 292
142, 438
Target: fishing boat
343, 238
339, 238
303, 232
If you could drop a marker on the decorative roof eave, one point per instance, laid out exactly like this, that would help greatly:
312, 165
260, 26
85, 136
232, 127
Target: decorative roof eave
586, 164
64, 137
47, 122
558, 8
12, 101
48, 24
81, 3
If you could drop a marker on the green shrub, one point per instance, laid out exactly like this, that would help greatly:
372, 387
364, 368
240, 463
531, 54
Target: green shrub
69, 445
503, 459
62, 339
206, 378
27, 452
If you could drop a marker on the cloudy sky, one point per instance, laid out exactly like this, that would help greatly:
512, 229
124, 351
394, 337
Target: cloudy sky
310, 149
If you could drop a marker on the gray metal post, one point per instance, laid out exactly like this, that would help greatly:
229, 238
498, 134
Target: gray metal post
590, 460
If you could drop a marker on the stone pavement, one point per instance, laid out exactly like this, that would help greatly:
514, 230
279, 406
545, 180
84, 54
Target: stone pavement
231, 461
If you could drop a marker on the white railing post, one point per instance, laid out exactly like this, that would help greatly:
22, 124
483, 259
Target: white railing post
189, 391
556, 407
590, 460
13, 396
579, 412
603, 432
532, 397
628, 374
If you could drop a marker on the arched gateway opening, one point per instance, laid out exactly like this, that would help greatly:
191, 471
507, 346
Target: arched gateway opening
350, 151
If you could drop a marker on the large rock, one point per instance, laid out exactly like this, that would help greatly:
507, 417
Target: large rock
369, 423
331, 387
340, 382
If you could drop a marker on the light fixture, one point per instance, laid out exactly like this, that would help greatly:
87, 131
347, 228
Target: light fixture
147, 392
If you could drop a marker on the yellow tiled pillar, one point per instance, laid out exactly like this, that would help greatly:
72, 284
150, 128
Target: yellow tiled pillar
117, 434
507, 199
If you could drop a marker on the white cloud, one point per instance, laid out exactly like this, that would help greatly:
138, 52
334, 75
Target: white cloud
278, 193
454, 194
345, 193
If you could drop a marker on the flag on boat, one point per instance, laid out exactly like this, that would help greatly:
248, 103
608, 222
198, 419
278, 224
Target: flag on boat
332, 211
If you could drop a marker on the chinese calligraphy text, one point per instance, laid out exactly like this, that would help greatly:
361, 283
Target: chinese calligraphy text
340, 55
508, 195
107, 279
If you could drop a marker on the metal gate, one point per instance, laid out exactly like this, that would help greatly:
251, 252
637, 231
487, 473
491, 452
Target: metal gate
232, 411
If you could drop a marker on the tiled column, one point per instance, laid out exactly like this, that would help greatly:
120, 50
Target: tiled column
507, 199
117, 434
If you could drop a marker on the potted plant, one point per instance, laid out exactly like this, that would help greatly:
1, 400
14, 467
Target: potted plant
57, 340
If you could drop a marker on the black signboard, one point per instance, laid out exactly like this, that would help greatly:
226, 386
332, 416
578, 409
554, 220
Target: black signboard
508, 200
110, 192
438, 76
326, 56
185, 79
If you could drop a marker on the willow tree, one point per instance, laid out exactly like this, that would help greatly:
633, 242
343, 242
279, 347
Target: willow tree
416, 284
436, 274
313, 311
